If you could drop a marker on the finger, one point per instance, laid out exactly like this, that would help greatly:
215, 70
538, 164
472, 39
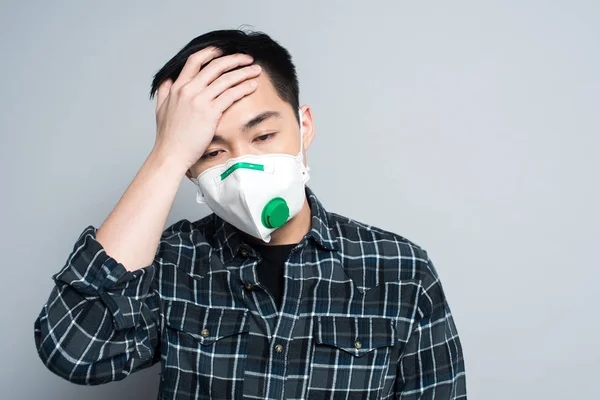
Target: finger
162, 93
194, 63
217, 67
230, 79
230, 96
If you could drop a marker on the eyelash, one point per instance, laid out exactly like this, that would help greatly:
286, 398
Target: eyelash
266, 137
261, 138
207, 155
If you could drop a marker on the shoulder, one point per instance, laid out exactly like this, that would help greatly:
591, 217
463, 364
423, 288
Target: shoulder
185, 226
378, 252
352, 229
186, 237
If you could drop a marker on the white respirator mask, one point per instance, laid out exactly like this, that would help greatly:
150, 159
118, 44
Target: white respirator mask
256, 194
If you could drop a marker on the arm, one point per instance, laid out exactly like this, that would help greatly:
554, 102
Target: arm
132, 231
101, 321
188, 112
432, 364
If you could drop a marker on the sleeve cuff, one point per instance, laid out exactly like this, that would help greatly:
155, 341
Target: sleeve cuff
92, 272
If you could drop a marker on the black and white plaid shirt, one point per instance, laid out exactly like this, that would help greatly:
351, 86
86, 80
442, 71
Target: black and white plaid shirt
363, 316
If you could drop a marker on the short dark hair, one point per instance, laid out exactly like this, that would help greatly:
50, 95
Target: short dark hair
275, 60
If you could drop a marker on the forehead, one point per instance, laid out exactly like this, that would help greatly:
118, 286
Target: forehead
264, 98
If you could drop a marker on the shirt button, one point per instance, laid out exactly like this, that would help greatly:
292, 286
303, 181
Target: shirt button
357, 344
249, 286
204, 332
279, 348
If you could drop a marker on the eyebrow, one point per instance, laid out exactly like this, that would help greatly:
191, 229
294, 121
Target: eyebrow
217, 139
259, 119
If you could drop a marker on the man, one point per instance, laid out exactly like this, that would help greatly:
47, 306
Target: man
269, 297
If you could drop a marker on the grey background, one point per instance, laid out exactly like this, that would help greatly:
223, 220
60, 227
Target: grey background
470, 127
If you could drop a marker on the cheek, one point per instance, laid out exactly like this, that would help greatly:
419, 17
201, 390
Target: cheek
196, 170
286, 145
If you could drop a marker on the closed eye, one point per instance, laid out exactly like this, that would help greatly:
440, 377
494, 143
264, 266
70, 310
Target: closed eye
212, 154
265, 137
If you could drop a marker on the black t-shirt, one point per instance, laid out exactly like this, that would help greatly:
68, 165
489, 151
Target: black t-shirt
270, 270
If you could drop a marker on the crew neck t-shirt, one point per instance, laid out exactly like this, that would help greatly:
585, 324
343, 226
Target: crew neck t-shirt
270, 270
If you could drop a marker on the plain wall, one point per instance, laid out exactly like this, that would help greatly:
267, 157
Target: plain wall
470, 127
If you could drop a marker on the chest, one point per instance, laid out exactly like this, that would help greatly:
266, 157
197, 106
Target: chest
222, 334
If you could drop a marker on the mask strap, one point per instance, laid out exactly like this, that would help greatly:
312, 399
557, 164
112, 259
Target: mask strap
199, 196
301, 129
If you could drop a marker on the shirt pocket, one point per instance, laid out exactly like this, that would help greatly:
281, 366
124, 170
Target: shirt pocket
351, 355
204, 347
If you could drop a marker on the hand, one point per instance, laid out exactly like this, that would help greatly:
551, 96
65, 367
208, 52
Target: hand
188, 111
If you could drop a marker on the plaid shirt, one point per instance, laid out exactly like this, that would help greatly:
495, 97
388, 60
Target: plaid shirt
363, 316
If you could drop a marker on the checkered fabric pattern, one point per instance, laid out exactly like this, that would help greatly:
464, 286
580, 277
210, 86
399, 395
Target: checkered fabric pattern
363, 316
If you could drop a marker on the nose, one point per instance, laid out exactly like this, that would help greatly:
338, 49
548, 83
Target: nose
239, 149
237, 152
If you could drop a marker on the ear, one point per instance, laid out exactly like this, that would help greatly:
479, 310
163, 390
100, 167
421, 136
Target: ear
308, 127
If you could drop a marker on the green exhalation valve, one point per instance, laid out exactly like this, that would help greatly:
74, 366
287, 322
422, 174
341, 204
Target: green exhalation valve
275, 213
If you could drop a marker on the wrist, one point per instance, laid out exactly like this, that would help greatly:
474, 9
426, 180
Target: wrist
163, 158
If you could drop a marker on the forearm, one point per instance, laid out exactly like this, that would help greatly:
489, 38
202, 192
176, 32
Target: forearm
100, 322
82, 345
132, 231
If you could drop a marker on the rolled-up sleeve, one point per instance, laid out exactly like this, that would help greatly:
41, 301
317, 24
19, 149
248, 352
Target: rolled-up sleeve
101, 321
432, 364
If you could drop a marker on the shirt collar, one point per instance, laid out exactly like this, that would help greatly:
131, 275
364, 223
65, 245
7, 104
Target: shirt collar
229, 240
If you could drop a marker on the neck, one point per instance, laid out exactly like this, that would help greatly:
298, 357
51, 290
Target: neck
292, 232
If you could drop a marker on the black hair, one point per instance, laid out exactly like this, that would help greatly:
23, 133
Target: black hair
275, 60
